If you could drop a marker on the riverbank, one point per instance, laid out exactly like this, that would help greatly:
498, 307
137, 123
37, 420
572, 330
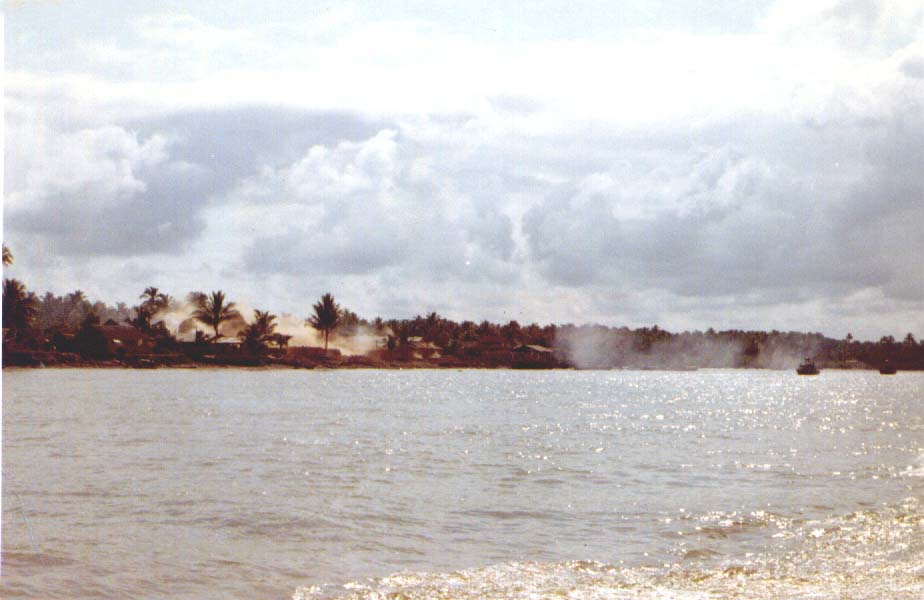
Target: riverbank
311, 358
363, 364
31, 360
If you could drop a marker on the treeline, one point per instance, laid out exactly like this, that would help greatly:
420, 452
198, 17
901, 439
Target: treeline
95, 330
604, 347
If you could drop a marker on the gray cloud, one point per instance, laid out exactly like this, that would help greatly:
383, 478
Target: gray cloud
141, 187
385, 202
913, 66
235, 142
719, 222
697, 184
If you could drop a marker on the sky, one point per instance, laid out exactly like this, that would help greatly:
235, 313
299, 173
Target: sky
688, 164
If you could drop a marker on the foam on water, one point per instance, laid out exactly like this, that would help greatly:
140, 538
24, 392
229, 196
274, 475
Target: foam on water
868, 555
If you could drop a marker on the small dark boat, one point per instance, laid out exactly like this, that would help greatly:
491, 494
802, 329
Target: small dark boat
887, 369
807, 368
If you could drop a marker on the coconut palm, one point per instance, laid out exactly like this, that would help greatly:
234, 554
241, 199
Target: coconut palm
154, 298
213, 310
326, 317
261, 331
19, 306
154, 302
265, 320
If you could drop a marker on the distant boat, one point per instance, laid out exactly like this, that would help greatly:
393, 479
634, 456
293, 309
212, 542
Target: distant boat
807, 368
887, 369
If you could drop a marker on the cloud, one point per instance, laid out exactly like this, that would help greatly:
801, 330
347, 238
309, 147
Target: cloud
141, 187
912, 64
103, 190
360, 207
854, 25
670, 221
679, 175
711, 221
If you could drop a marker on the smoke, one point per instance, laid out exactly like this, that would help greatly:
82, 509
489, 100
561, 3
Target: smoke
706, 352
589, 347
595, 347
777, 356
302, 335
362, 341
598, 347
177, 317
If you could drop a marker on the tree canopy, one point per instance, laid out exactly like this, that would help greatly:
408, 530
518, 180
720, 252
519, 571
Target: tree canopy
19, 306
261, 331
326, 316
154, 301
213, 310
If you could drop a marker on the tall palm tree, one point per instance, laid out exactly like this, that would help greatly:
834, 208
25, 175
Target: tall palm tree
326, 317
213, 310
19, 306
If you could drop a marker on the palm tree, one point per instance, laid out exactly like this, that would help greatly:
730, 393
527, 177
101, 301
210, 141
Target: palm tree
19, 306
326, 317
154, 302
7, 256
154, 298
261, 331
213, 310
264, 321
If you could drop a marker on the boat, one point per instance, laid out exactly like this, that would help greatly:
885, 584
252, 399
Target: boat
807, 367
887, 369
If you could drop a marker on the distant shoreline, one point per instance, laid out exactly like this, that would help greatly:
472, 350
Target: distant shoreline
397, 367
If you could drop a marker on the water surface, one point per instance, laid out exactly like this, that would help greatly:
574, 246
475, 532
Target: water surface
461, 484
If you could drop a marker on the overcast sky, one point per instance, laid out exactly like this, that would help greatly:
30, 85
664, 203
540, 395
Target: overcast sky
690, 164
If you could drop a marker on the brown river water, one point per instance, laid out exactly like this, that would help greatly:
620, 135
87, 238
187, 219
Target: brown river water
462, 484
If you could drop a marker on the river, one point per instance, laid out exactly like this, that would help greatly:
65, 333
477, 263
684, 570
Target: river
221, 483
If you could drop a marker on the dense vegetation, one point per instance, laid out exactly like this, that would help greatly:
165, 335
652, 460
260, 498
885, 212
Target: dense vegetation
72, 326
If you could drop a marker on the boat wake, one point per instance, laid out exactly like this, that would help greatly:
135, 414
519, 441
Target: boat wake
864, 555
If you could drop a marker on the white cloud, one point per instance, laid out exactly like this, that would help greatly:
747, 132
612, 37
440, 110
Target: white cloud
875, 26
99, 165
680, 172
358, 207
